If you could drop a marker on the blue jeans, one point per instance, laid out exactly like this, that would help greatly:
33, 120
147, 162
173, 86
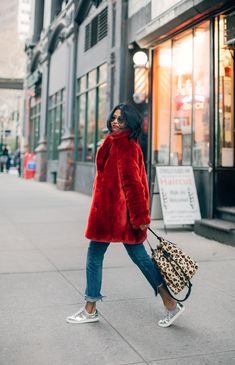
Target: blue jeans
94, 266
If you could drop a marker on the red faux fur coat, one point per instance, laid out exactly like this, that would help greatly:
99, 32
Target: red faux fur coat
120, 199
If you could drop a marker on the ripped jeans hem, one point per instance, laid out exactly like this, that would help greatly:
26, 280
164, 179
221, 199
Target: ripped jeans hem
157, 290
96, 299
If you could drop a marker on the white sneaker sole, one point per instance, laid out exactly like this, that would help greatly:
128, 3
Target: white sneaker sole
172, 320
74, 321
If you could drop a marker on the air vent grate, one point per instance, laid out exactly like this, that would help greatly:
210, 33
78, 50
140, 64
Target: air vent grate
96, 30
103, 24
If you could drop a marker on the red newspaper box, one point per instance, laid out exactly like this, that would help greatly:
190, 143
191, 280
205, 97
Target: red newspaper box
29, 165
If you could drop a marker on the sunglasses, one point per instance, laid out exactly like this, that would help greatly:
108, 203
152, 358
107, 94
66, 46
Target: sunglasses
120, 120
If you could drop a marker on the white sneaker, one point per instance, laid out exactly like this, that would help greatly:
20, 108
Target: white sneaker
171, 315
82, 316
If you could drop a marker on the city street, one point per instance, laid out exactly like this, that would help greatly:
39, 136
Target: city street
42, 279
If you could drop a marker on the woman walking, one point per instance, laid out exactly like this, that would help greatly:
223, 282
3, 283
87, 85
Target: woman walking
120, 213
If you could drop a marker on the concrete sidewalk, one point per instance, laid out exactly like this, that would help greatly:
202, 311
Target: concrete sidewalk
42, 280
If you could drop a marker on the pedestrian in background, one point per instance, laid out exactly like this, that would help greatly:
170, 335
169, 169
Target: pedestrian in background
8, 163
120, 213
4, 158
17, 161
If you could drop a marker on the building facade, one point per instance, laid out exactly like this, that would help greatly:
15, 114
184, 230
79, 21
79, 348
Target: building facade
80, 64
76, 73
24, 11
14, 28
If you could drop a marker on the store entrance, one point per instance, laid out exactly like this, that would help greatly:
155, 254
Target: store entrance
224, 120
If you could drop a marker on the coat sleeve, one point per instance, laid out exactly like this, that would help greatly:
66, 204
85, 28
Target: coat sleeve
130, 163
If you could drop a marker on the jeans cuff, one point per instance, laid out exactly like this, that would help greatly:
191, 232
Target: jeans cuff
96, 299
157, 290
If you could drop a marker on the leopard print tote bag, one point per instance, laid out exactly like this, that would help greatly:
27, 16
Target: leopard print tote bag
176, 267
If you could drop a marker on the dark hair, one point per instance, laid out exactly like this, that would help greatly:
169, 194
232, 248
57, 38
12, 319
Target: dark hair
132, 118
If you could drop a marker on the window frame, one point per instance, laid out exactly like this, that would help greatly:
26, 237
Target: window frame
86, 92
35, 118
55, 109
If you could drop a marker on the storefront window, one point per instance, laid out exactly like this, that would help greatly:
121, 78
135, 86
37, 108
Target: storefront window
162, 103
181, 119
225, 100
181, 99
35, 110
91, 112
201, 104
55, 123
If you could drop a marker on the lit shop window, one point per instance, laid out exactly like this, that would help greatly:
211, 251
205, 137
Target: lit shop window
55, 123
162, 104
201, 95
181, 116
181, 99
91, 113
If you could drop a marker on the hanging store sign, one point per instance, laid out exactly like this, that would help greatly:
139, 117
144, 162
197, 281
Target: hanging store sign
34, 78
178, 195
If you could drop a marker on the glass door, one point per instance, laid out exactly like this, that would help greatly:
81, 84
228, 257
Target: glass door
224, 118
225, 99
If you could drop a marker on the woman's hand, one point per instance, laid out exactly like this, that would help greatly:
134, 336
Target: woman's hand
143, 226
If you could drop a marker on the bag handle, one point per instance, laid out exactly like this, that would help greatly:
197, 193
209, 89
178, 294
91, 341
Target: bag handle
188, 284
158, 237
